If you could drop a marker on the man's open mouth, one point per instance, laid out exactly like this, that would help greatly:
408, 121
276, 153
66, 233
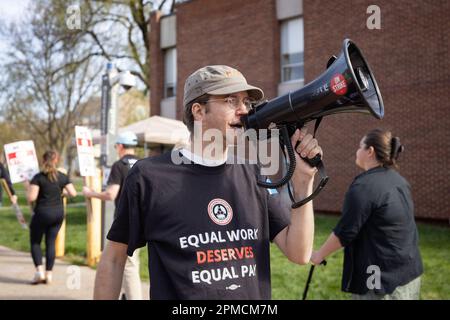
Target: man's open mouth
236, 125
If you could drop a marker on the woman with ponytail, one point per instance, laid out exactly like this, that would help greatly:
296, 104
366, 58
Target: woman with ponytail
46, 188
377, 227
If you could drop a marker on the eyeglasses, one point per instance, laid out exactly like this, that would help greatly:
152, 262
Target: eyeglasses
235, 102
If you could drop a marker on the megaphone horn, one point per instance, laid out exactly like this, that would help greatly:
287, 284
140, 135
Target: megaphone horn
348, 85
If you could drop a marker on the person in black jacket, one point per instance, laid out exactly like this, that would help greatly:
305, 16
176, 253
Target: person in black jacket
47, 188
377, 227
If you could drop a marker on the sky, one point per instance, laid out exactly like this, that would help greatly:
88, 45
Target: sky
11, 10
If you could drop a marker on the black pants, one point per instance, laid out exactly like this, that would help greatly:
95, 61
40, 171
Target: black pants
45, 221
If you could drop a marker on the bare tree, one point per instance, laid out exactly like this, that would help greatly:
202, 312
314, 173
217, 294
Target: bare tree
51, 70
47, 75
120, 31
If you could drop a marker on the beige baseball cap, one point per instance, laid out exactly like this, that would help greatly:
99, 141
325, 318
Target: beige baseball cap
218, 80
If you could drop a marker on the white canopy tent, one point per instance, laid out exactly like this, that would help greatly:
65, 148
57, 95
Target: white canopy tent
160, 130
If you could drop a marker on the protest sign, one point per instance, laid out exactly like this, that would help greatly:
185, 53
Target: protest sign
85, 149
22, 160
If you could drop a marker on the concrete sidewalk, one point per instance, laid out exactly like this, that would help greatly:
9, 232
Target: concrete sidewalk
70, 282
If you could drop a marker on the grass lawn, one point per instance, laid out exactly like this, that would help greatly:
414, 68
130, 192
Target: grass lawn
288, 279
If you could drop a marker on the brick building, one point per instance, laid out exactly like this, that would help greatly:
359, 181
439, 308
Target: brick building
280, 45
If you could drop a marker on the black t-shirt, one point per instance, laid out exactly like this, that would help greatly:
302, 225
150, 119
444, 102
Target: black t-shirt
119, 171
5, 175
208, 229
377, 229
50, 192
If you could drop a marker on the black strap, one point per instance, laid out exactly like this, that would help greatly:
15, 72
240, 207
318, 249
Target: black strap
291, 167
314, 162
323, 181
316, 125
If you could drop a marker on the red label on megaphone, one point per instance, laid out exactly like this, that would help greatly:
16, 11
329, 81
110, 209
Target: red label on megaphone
338, 84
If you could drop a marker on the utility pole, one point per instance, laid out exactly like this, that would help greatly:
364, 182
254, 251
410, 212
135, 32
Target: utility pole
111, 81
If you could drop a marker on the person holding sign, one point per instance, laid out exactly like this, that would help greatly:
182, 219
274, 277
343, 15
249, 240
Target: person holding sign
206, 222
22, 165
46, 189
7, 185
125, 147
4, 175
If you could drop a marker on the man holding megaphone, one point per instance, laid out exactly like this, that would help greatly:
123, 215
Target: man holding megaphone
207, 222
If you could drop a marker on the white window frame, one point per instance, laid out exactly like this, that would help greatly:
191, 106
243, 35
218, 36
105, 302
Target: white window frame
287, 27
170, 54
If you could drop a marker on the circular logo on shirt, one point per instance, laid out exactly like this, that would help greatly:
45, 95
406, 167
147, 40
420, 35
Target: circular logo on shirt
338, 84
220, 211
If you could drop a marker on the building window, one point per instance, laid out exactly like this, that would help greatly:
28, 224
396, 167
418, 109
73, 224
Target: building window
292, 50
170, 73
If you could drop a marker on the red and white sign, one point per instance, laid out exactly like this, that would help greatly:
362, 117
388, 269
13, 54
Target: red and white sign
338, 84
22, 160
85, 150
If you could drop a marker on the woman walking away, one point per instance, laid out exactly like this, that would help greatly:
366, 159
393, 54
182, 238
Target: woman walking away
46, 188
377, 227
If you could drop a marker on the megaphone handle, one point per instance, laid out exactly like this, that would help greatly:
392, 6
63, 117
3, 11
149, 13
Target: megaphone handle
313, 162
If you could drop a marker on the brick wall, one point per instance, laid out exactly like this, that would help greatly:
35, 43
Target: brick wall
409, 56
241, 34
